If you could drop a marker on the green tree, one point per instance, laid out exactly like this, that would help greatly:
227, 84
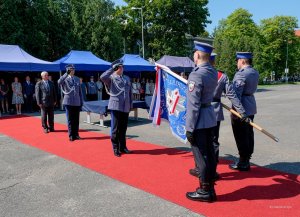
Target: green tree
165, 24
96, 28
237, 32
279, 40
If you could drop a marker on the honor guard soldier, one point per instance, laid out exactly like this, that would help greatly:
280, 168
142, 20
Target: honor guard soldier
118, 87
245, 84
223, 86
200, 119
70, 86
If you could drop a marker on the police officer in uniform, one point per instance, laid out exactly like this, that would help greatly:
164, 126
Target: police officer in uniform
70, 86
200, 119
223, 86
118, 86
245, 84
92, 90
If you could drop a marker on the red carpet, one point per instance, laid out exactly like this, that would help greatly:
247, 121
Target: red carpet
164, 172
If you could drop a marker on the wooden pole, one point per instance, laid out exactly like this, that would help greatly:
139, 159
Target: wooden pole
252, 124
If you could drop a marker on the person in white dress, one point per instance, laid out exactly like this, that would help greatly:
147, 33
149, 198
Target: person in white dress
148, 93
138, 87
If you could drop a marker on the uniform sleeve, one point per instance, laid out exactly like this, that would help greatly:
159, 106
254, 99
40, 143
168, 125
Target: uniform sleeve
80, 96
130, 93
193, 102
105, 77
62, 79
232, 96
239, 84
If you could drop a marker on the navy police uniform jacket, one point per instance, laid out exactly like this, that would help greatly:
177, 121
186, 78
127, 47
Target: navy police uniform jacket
71, 89
201, 85
245, 83
119, 91
224, 86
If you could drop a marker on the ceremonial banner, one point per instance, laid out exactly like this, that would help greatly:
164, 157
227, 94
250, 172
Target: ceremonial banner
169, 101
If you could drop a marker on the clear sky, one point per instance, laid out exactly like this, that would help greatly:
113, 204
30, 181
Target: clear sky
260, 9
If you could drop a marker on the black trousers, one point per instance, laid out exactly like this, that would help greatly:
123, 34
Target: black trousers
72, 113
119, 121
244, 137
204, 155
47, 112
215, 134
28, 103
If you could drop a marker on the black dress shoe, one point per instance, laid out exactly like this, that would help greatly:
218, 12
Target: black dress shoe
46, 130
125, 150
117, 153
78, 137
71, 139
52, 130
202, 195
241, 166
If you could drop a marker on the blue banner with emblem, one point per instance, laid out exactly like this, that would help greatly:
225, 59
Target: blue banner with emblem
169, 101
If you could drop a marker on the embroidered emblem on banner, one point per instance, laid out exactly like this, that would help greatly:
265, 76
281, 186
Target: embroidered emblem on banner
191, 86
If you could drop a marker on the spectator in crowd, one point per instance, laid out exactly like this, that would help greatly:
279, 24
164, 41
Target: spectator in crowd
28, 92
143, 89
83, 89
134, 89
138, 87
57, 91
17, 98
147, 88
4, 96
151, 86
46, 100
92, 90
99, 87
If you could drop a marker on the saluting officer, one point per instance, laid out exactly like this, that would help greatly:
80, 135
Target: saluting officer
245, 84
223, 86
70, 86
200, 119
118, 86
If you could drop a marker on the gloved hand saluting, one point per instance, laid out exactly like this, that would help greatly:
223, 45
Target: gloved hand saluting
189, 136
245, 118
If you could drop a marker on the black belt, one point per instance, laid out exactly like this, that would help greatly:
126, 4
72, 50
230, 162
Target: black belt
216, 100
205, 105
244, 94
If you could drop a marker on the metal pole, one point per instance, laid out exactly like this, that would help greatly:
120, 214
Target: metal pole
286, 62
143, 45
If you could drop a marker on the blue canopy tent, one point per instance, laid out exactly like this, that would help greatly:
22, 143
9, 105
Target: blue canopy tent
135, 63
177, 64
14, 58
83, 61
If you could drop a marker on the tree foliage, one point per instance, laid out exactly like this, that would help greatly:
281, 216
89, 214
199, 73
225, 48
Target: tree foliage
50, 28
236, 33
165, 24
268, 41
279, 44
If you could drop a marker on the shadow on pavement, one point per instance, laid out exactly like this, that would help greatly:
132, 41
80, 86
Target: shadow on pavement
161, 151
